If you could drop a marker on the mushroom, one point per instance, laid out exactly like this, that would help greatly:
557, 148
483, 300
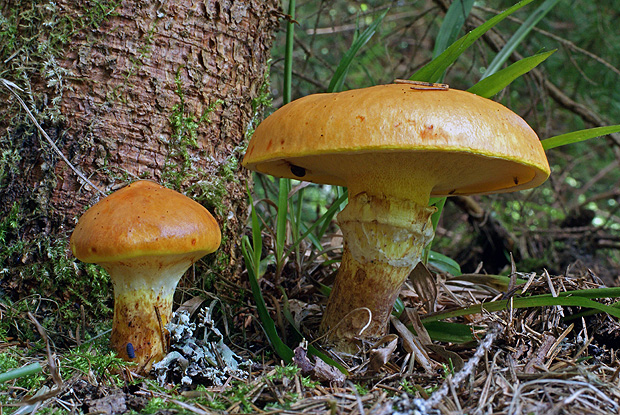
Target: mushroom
394, 146
145, 236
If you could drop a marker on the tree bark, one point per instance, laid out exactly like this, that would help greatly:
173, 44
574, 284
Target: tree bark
127, 89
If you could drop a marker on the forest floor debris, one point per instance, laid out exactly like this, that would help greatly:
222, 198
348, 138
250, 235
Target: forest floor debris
554, 360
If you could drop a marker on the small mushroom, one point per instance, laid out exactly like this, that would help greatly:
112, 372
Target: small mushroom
146, 236
393, 146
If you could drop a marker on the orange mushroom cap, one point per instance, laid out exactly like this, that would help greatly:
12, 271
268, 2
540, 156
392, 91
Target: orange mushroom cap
144, 219
460, 143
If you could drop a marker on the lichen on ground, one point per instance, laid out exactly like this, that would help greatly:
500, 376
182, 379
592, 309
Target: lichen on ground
198, 353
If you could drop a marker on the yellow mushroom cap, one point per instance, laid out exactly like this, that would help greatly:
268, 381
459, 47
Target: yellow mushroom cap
457, 142
141, 220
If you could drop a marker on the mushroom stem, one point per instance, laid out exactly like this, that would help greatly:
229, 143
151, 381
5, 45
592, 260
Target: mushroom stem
383, 241
143, 295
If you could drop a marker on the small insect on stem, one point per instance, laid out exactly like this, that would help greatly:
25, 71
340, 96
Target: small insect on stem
130, 351
424, 86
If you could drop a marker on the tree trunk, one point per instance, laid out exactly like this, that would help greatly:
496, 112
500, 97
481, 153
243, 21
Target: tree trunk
126, 89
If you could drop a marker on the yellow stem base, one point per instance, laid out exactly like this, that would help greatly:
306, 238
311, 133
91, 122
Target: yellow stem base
139, 320
383, 241
143, 295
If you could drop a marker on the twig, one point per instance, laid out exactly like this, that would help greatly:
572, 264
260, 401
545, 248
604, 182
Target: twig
51, 361
418, 353
563, 41
10, 85
546, 383
467, 370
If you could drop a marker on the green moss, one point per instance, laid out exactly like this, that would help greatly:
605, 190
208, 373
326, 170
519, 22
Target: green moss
241, 393
34, 36
208, 188
8, 226
84, 284
180, 170
88, 360
157, 404
211, 188
42, 268
262, 101
60, 288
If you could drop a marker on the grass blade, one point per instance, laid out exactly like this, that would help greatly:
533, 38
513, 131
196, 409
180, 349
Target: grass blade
444, 331
288, 54
337, 82
577, 136
453, 22
251, 255
342, 194
439, 203
296, 220
608, 292
21, 372
398, 307
432, 71
325, 219
499, 283
303, 229
269, 326
282, 219
255, 249
518, 37
444, 263
569, 299
284, 185
489, 86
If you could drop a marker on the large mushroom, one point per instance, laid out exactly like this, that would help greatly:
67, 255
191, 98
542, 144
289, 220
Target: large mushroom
146, 236
393, 146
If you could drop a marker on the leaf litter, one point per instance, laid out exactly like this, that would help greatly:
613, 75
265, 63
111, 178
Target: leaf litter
553, 359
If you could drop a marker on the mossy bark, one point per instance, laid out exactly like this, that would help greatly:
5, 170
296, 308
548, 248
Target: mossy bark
129, 89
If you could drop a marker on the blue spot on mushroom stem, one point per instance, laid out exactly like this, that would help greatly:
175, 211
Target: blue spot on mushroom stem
130, 351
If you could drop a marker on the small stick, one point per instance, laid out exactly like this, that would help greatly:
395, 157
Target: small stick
467, 370
161, 330
10, 85
429, 86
